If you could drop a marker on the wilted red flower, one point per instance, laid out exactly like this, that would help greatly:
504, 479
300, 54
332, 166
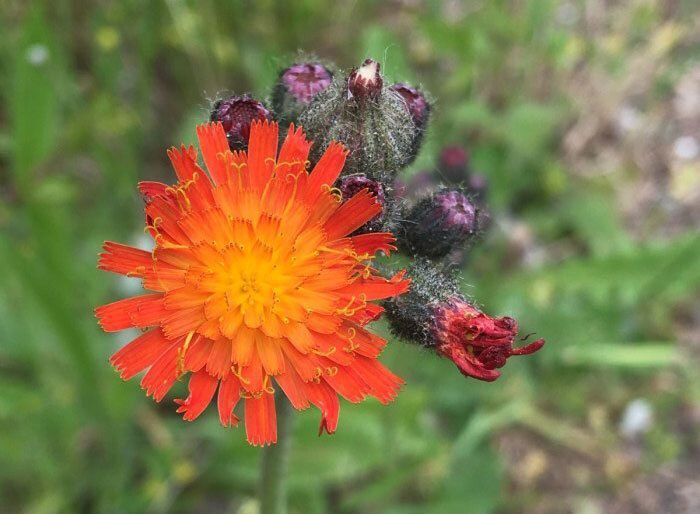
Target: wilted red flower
255, 282
477, 343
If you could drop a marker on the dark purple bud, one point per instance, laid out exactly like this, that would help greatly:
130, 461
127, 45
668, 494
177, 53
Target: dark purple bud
454, 164
365, 82
458, 212
304, 81
351, 185
236, 114
439, 224
415, 101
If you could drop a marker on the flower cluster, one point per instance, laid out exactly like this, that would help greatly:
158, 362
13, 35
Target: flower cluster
262, 274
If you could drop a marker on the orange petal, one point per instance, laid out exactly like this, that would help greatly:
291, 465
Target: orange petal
150, 189
373, 242
305, 365
219, 361
270, 354
252, 375
352, 215
299, 336
294, 149
371, 312
164, 372
197, 353
124, 259
293, 387
377, 288
243, 345
139, 353
347, 384
322, 323
184, 161
326, 171
230, 322
202, 387
261, 420
326, 400
262, 152
229, 394
383, 383
183, 322
121, 314
213, 142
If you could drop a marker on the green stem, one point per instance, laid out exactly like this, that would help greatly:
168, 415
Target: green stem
275, 461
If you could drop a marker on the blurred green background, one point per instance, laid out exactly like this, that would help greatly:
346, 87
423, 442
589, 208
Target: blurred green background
584, 116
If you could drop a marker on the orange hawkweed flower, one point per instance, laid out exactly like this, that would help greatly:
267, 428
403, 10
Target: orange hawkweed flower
256, 284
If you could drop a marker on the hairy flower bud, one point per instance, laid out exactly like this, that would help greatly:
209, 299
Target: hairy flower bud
435, 315
365, 82
415, 102
371, 120
419, 109
351, 185
296, 87
236, 113
438, 224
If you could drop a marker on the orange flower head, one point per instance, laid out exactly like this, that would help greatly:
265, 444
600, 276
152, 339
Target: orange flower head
255, 284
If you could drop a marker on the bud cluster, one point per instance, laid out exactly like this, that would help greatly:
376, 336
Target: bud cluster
383, 126
374, 121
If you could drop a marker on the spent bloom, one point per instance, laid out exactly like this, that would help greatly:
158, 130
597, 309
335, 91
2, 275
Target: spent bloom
255, 284
477, 343
435, 315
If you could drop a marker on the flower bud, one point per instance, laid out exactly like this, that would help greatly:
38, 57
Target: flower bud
419, 109
296, 87
351, 185
236, 113
438, 224
435, 315
368, 118
365, 82
415, 102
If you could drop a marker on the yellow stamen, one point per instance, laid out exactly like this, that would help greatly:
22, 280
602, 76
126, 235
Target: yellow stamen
181, 354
